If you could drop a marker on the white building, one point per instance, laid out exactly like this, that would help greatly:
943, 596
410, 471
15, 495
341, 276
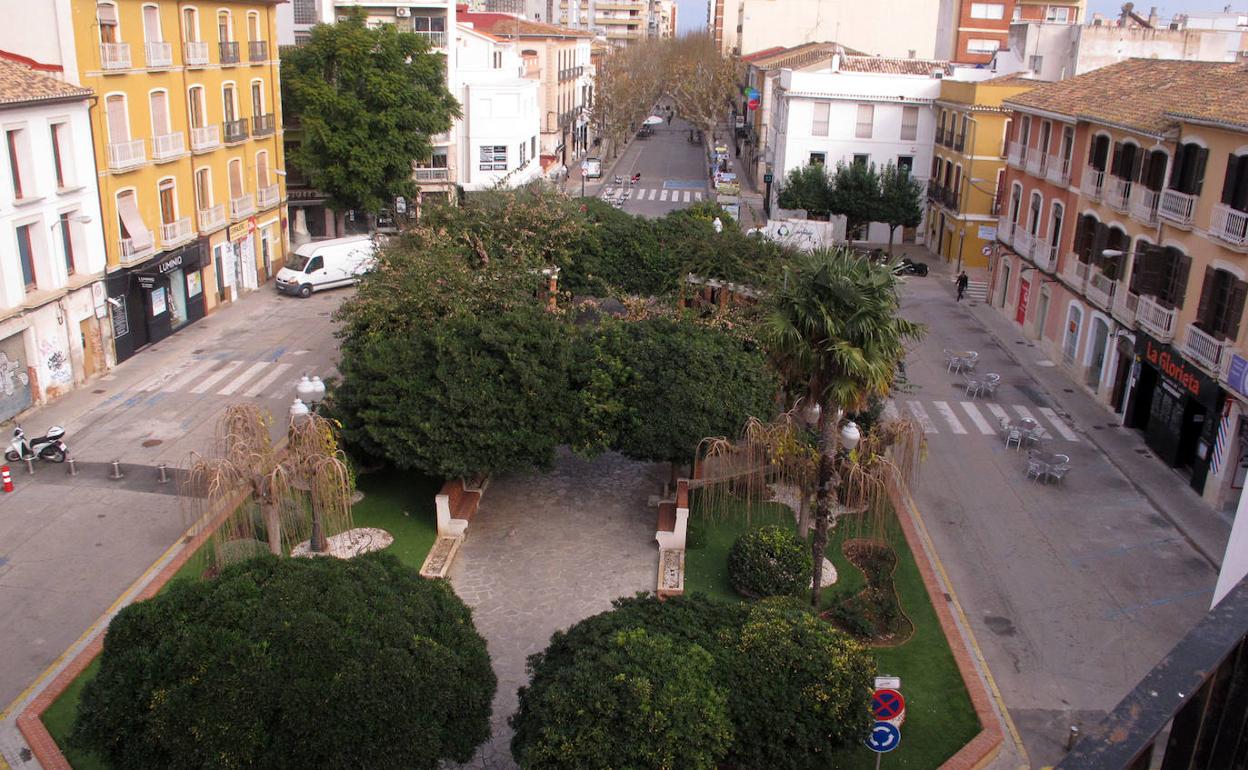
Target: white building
857, 109
497, 137
900, 28
52, 261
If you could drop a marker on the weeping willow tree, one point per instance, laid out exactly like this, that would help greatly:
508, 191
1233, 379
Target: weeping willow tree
301, 492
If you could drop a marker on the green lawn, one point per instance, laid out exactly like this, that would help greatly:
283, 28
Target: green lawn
398, 502
939, 716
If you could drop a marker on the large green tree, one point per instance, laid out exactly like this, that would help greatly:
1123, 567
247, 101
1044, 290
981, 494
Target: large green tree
366, 101
807, 187
901, 200
856, 196
835, 335
291, 663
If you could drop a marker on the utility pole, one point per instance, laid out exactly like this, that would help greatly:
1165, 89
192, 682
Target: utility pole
961, 242
767, 177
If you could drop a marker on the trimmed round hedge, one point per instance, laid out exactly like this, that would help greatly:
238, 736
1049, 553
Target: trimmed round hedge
288, 663
769, 561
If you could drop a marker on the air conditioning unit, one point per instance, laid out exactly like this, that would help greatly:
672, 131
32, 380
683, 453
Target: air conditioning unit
402, 13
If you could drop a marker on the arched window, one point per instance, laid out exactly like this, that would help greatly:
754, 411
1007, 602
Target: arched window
108, 22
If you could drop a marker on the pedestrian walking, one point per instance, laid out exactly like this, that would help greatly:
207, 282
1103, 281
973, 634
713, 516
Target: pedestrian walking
962, 282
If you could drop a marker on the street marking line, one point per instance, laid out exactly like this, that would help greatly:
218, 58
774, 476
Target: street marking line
1133, 608
686, 196
238, 381
215, 377
191, 374
1058, 423
258, 387
1026, 414
663, 195
890, 410
697, 196
950, 416
969, 634
977, 418
920, 414
999, 413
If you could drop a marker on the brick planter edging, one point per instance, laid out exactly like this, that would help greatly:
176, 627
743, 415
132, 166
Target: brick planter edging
30, 721
985, 746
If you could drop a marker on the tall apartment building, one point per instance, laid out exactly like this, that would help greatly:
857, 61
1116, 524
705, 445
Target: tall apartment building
1124, 251
977, 29
619, 21
967, 167
54, 333
893, 28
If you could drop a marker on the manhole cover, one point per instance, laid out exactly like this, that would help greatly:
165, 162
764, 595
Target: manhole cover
153, 442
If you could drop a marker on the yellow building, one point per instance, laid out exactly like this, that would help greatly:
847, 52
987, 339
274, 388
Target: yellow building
967, 167
188, 145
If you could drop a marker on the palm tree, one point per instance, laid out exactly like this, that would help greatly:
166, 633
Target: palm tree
834, 335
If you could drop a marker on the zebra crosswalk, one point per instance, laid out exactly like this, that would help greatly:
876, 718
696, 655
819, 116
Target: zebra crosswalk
654, 194
222, 377
964, 418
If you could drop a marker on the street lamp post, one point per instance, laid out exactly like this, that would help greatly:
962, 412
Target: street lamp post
309, 391
961, 243
767, 177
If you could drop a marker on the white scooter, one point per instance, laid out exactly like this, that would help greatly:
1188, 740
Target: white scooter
49, 447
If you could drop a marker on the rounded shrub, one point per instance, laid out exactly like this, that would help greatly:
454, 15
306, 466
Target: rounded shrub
769, 561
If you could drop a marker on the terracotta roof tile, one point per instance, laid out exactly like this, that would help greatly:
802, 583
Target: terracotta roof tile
505, 25
1146, 94
802, 55
19, 84
889, 66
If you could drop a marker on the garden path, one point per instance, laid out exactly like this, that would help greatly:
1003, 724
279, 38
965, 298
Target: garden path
543, 552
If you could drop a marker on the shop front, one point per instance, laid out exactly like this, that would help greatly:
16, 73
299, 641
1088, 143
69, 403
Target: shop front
1177, 407
152, 300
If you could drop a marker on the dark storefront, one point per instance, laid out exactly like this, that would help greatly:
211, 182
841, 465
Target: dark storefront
153, 300
1177, 407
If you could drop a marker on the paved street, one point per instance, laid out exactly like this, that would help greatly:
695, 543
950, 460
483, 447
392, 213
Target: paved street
1072, 591
673, 173
70, 546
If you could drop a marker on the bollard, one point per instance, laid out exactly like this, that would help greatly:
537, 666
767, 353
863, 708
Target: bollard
71, 466
116, 474
164, 475
1072, 737
30, 466
6, 478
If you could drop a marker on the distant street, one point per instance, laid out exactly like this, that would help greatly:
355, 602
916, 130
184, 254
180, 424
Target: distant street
673, 173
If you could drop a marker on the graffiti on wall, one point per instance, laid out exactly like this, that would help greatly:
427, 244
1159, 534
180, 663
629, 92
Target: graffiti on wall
12, 375
60, 371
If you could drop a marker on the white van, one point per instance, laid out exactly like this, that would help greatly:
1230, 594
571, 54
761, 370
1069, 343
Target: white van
326, 265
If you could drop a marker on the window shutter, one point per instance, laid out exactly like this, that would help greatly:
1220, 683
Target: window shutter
1180, 266
1231, 179
1198, 173
1100, 237
1115, 165
1081, 236
1156, 171
1176, 170
1137, 170
1144, 271
1208, 292
1236, 312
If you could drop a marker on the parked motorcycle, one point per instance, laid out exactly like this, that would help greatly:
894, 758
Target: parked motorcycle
48, 447
908, 266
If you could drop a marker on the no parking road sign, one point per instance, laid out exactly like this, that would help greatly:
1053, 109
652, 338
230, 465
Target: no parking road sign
884, 737
887, 704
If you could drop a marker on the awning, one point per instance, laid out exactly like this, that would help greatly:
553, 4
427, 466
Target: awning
128, 210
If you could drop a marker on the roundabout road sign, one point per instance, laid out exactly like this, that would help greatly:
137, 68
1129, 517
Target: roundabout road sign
884, 738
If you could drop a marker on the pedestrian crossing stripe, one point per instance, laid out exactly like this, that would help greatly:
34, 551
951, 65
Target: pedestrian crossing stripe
654, 194
941, 417
248, 379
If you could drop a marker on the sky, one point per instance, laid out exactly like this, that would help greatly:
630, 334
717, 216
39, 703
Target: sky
691, 14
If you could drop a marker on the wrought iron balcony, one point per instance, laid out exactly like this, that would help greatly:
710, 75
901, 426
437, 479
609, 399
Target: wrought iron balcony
1144, 204
204, 138
1093, 183
1229, 225
1044, 255
257, 51
1005, 231
137, 247
263, 125
235, 130
211, 218
159, 54
1024, 242
435, 38
124, 155
114, 56
433, 174
1016, 156
228, 51
1177, 207
195, 53
175, 232
1202, 348
1118, 193
1036, 162
168, 146
1155, 318
1074, 273
242, 206
268, 196
1058, 170
1125, 304
1099, 288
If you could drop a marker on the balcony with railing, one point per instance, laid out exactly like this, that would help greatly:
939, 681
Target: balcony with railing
228, 51
1024, 242
263, 125
1229, 225
1099, 288
1074, 273
1058, 170
1044, 254
1093, 183
949, 198
1144, 204
194, 53
114, 56
257, 51
960, 143
1155, 318
159, 54
242, 206
168, 146
433, 174
136, 248
211, 218
1016, 156
1036, 163
268, 196
176, 232
124, 155
235, 131
1118, 193
1125, 304
1005, 231
204, 138
435, 38
1202, 348
1177, 207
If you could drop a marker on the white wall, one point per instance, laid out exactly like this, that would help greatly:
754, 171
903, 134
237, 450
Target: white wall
883, 27
500, 109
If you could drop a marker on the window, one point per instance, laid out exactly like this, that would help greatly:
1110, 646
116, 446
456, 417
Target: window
203, 189
987, 11
1005, 136
861, 160
229, 102
493, 158
257, 97
15, 140
60, 131
1098, 154
159, 103
190, 25
866, 117
1055, 226
304, 11
117, 119
1235, 184
131, 223
236, 178
533, 146
935, 175
817, 159
166, 192
1221, 304
151, 24
909, 123
225, 27
1046, 133
1016, 203
966, 125
1126, 161
905, 163
67, 240
253, 26
314, 264
106, 16
26, 255
819, 125
1058, 13
1188, 173
498, 60
982, 45
524, 150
